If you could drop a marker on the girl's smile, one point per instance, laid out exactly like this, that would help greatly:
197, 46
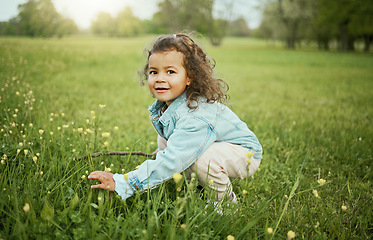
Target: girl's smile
167, 76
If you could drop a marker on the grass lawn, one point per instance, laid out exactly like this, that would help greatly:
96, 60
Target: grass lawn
312, 112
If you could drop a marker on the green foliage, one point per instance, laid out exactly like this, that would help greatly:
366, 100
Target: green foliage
310, 110
124, 25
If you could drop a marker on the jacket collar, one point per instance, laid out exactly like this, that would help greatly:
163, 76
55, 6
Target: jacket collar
156, 108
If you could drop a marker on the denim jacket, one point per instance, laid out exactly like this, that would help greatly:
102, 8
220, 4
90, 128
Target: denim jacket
188, 133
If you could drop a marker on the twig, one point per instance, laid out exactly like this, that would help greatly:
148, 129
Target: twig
117, 153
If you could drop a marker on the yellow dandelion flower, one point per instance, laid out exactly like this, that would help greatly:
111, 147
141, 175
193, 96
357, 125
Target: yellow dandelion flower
41, 131
116, 128
38, 154
87, 120
137, 167
315, 193
230, 237
177, 177
89, 130
20, 144
26, 208
183, 226
249, 155
270, 231
25, 151
291, 235
59, 128
17, 93
106, 144
83, 177
105, 134
62, 114
344, 208
41, 172
244, 192
211, 182
35, 158
16, 110
51, 133
125, 176
107, 169
65, 126
99, 199
102, 106
2, 162
80, 130
321, 181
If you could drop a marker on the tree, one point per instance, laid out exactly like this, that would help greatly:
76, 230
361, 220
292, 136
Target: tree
239, 28
104, 24
128, 25
66, 26
195, 15
38, 18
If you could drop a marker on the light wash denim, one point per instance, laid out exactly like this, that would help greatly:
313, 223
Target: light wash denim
188, 133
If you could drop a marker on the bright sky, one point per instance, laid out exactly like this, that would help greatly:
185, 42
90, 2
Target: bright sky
85, 11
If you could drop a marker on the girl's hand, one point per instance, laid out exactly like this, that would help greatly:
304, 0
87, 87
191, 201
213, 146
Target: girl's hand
106, 179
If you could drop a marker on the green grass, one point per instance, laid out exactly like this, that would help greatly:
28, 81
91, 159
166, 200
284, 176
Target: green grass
312, 112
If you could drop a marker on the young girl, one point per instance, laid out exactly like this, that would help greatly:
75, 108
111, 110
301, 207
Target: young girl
195, 130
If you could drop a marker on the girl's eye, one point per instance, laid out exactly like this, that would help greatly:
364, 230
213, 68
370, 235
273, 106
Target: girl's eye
152, 72
170, 71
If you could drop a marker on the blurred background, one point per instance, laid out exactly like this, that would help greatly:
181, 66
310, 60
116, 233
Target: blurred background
345, 25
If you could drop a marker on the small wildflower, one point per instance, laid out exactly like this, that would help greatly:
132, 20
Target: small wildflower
183, 226
26, 208
80, 130
107, 169
152, 143
315, 193
83, 177
106, 144
108, 187
125, 176
244, 192
344, 208
178, 189
25, 151
116, 128
20, 144
35, 158
99, 199
87, 120
249, 155
38, 154
65, 126
105, 134
321, 181
62, 114
177, 177
41, 172
89, 130
211, 182
102, 106
137, 167
41, 131
291, 235
59, 128
51, 133
2, 162
230, 237
270, 231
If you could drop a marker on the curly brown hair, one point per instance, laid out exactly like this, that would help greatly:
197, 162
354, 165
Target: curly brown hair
198, 65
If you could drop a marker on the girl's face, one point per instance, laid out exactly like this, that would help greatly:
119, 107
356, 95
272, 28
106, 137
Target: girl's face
167, 76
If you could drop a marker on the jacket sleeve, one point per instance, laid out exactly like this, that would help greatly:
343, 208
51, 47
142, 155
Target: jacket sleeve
191, 137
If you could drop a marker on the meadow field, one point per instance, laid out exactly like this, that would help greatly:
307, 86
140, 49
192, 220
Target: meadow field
65, 98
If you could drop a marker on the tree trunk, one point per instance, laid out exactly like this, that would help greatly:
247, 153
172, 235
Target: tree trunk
367, 41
